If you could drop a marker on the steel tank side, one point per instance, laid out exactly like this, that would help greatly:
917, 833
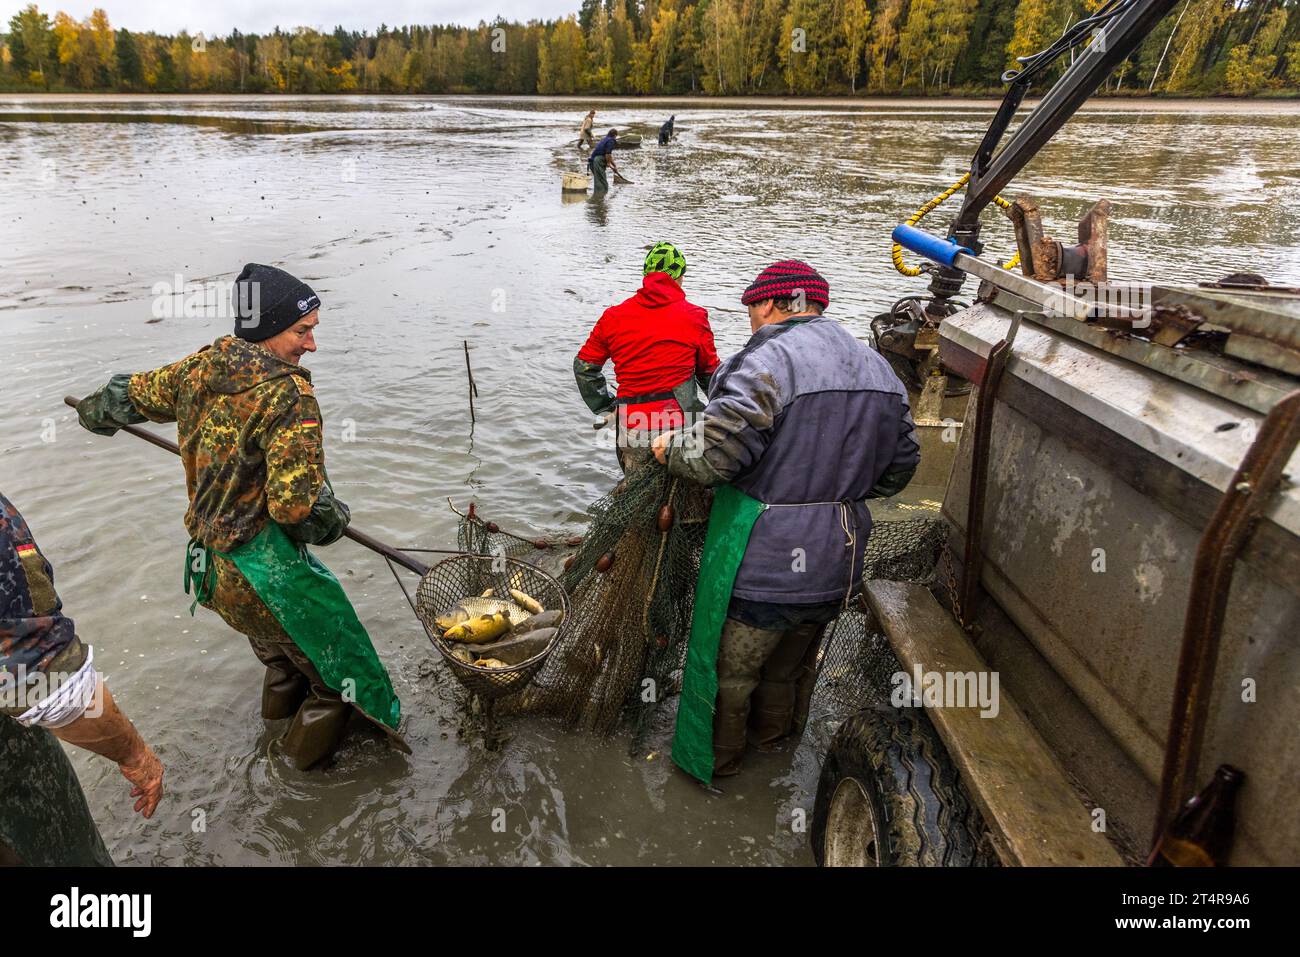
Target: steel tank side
1089, 543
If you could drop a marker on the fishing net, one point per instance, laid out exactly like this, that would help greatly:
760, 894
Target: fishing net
855, 663
631, 587
459, 577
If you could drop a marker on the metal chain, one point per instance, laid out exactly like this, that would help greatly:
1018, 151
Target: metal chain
952, 588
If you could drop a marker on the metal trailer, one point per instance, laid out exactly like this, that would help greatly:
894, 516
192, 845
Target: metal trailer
1122, 572
1116, 471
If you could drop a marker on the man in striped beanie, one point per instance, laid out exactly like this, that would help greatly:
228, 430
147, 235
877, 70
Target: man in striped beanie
786, 289
803, 425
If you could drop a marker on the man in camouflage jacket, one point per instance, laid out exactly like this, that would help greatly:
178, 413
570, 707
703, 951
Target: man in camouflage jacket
250, 437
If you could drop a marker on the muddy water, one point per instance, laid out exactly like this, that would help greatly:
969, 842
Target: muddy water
422, 224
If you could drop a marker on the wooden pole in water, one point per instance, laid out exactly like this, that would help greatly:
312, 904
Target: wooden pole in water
473, 389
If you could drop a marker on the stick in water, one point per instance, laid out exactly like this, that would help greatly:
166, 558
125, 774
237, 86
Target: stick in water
473, 389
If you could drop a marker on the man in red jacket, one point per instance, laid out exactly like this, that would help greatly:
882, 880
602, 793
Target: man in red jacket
662, 346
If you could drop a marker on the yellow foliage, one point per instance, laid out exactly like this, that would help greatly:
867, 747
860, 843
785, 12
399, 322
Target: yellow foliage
102, 30
884, 38
855, 19
66, 32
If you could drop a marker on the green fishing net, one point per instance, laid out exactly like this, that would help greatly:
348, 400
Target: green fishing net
631, 584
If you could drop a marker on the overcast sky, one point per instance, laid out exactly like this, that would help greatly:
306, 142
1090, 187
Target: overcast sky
259, 16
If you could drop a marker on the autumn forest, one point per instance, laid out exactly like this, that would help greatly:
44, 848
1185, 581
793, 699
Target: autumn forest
668, 47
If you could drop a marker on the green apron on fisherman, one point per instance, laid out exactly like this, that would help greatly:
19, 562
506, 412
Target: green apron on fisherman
251, 441
802, 426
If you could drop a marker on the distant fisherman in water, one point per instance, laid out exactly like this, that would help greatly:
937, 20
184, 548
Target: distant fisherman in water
602, 156
584, 134
662, 345
803, 425
49, 688
666, 131
251, 442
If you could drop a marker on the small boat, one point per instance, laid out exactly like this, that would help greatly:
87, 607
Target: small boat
629, 139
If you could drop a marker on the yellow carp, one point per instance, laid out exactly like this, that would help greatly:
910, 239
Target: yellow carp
526, 602
479, 630
468, 608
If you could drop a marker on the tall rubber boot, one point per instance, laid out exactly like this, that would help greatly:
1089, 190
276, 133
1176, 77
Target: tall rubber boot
805, 683
742, 650
729, 723
779, 707
316, 731
284, 689
771, 712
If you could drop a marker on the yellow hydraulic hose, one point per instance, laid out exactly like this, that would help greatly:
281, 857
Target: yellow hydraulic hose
897, 252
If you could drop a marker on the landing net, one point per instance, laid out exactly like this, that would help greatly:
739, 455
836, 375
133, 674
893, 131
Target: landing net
631, 587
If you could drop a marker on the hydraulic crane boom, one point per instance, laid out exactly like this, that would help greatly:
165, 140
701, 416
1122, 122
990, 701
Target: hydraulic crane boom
1116, 28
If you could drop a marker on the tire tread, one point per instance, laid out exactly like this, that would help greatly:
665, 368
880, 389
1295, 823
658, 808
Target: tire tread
926, 816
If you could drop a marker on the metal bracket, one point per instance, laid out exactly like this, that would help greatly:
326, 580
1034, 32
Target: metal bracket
1087, 261
972, 554
1028, 224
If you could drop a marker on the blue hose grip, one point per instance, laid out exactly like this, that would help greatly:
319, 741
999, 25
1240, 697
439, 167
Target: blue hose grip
933, 248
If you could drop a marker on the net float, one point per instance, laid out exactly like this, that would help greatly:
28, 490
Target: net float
666, 517
604, 562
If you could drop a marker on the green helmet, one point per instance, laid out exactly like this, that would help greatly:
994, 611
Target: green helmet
665, 257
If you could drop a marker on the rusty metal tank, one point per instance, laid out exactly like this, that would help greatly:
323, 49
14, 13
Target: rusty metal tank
1109, 456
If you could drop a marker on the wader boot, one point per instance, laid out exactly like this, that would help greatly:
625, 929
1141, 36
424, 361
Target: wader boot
284, 688
779, 705
44, 819
316, 731
742, 651
284, 685
293, 688
600, 180
805, 683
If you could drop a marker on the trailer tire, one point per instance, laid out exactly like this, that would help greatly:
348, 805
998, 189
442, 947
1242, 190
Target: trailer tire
889, 796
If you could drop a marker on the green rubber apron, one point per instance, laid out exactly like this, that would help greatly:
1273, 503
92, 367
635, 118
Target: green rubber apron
731, 520
313, 609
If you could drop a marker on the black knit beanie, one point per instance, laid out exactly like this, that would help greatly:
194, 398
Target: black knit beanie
269, 301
